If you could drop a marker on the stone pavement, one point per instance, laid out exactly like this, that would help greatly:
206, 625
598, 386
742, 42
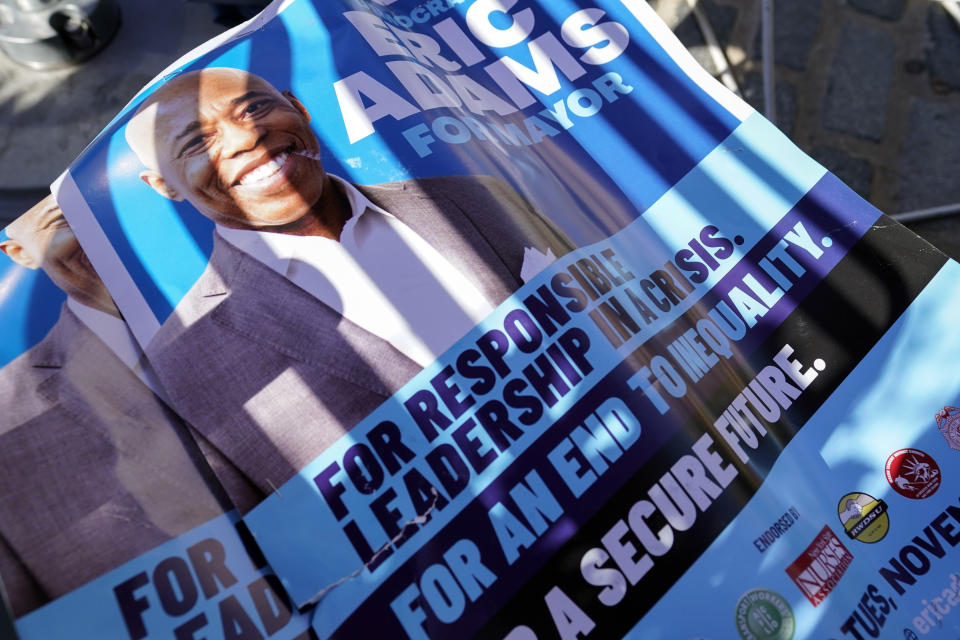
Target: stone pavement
870, 88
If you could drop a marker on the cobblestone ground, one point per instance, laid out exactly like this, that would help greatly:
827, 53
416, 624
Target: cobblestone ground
870, 88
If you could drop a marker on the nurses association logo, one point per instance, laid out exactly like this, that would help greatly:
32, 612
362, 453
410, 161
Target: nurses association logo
948, 421
819, 568
863, 517
913, 473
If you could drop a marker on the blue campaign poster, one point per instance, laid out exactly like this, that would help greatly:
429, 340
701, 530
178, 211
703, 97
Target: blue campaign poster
501, 318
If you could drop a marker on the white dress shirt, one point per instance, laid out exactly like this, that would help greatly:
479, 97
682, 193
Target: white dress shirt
381, 275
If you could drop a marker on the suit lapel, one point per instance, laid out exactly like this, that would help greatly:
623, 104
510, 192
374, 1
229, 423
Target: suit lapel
51, 355
87, 378
443, 223
296, 324
49, 352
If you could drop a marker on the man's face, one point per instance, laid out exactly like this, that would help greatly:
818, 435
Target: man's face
41, 238
229, 143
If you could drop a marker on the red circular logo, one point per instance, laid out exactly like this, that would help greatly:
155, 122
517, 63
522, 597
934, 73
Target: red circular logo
913, 474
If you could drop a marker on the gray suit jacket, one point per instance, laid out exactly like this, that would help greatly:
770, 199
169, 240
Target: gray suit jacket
271, 376
94, 469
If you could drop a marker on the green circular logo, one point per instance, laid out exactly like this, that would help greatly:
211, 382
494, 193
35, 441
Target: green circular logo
764, 615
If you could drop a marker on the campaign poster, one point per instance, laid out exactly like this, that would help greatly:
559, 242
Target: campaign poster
502, 319
112, 524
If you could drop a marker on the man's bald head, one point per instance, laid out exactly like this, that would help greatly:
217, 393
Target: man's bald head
231, 144
27, 240
42, 239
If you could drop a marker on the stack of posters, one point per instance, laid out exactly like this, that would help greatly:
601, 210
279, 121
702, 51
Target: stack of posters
478, 318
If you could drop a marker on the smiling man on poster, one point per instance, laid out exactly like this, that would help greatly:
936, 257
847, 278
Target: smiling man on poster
321, 298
